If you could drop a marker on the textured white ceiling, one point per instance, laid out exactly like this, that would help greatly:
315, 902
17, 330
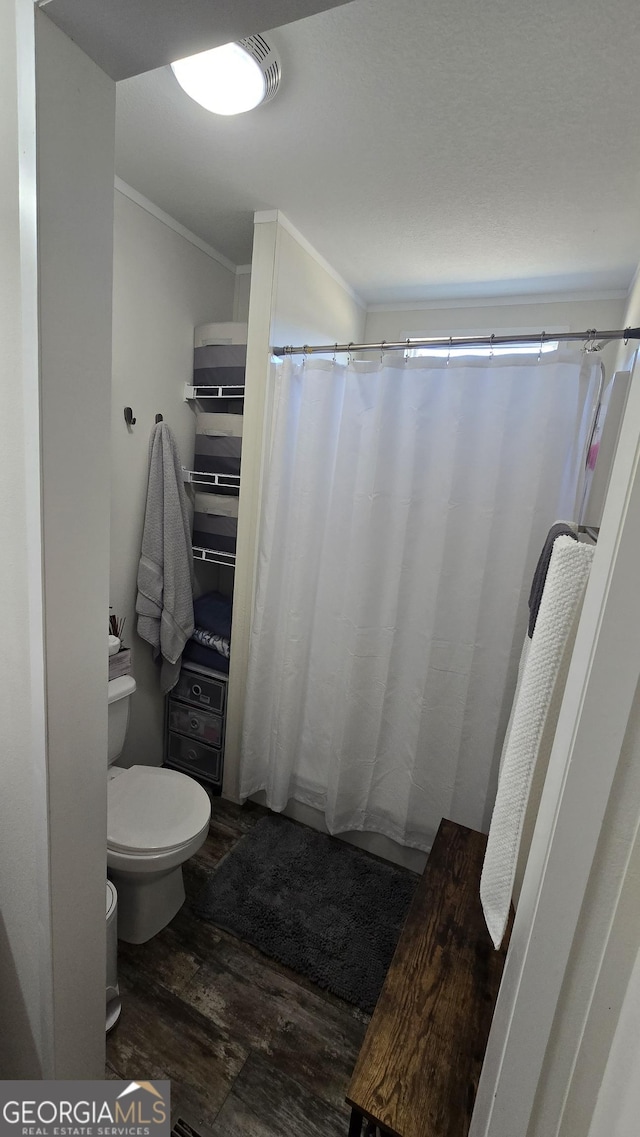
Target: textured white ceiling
427, 149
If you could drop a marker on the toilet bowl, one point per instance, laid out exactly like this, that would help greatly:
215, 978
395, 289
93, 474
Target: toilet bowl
156, 820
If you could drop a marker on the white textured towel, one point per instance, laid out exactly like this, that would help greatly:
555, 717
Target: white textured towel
165, 573
561, 602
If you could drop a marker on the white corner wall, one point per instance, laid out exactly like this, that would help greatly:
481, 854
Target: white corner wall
631, 319
241, 294
618, 1105
75, 131
311, 304
600, 985
26, 988
163, 287
295, 297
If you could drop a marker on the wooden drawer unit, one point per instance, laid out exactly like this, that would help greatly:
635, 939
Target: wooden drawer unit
195, 722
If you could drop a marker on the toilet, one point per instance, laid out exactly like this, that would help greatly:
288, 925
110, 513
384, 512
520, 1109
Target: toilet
156, 820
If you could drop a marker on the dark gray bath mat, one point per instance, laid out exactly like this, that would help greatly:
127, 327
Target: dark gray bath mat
323, 908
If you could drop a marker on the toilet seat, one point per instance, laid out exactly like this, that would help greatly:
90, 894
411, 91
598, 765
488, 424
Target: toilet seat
153, 811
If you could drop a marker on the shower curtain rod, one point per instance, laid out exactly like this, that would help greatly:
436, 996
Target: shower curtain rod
597, 339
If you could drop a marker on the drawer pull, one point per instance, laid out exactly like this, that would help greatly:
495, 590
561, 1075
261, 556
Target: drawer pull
195, 724
197, 689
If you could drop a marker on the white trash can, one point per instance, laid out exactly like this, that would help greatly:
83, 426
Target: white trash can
114, 1005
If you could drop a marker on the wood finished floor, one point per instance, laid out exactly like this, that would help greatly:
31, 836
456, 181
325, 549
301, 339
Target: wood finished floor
251, 1048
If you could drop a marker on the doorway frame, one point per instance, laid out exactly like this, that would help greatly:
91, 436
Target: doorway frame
599, 696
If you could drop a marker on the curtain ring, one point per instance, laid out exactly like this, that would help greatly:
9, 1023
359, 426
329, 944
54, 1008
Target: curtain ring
626, 337
335, 349
304, 354
382, 351
349, 346
493, 336
449, 352
542, 337
406, 350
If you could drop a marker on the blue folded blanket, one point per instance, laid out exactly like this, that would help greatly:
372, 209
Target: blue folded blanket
212, 613
205, 657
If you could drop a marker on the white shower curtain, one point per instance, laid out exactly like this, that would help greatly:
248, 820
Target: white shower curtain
405, 506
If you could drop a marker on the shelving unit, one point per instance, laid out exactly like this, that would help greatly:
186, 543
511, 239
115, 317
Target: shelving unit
196, 707
212, 391
226, 481
218, 355
214, 556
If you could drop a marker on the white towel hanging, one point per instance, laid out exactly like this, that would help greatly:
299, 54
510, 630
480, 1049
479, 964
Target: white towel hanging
561, 602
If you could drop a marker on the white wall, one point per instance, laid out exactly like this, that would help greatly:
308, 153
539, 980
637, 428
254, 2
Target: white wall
493, 316
601, 961
626, 352
604, 952
163, 287
76, 127
311, 304
295, 295
26, 995
618, 1106
54, 500
241, 294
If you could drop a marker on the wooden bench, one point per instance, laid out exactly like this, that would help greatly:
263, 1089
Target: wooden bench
417, 1072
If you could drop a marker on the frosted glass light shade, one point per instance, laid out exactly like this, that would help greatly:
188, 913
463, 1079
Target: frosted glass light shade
225, 80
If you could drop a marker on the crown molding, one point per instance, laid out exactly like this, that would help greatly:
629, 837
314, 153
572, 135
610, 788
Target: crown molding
526, 300
171, 223
266, 215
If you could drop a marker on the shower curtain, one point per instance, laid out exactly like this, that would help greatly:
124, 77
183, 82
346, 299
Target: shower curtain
405, 505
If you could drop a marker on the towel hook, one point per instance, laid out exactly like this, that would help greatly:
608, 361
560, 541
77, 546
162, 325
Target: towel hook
128, 417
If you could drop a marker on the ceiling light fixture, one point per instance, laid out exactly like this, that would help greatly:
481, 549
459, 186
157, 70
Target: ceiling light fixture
233, 78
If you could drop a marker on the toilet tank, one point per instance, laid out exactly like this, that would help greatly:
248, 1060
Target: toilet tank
120, 691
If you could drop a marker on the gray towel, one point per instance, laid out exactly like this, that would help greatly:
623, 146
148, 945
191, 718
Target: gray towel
165, 574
